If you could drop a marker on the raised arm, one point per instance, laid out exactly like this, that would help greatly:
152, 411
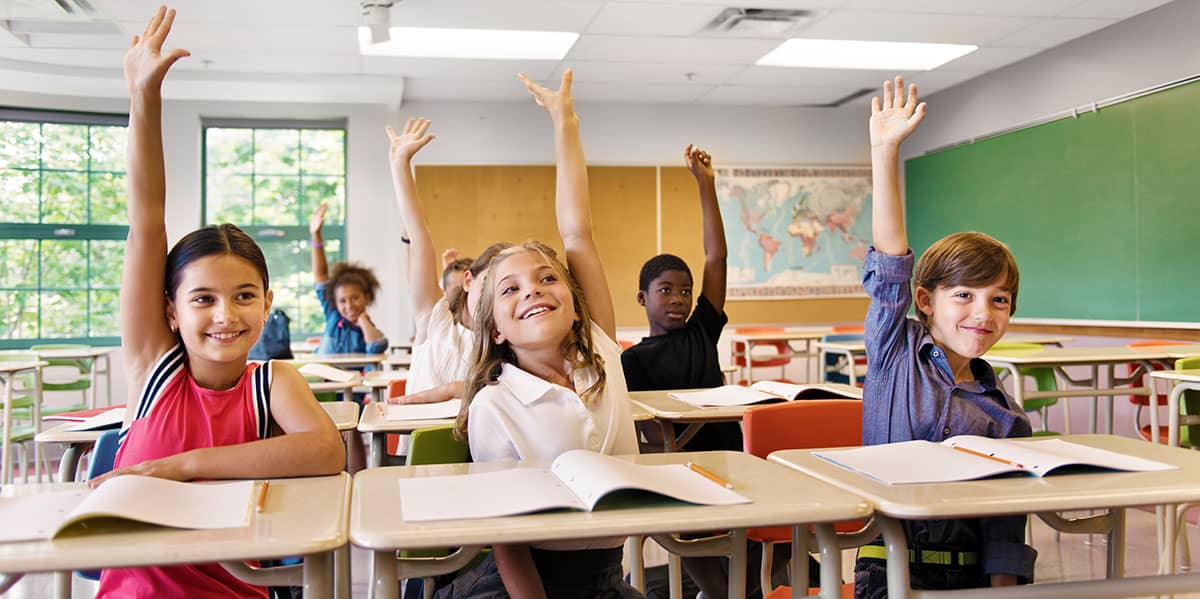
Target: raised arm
571, 202
715, 252
145, 334
891, 123
422, 268
320, 266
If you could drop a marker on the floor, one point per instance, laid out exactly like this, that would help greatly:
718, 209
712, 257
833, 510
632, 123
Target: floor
1070, 558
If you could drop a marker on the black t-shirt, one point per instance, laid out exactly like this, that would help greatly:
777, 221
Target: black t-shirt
685, 358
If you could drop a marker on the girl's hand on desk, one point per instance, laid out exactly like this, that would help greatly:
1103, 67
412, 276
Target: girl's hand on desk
171, 468
407, 144
145, 64
897, 117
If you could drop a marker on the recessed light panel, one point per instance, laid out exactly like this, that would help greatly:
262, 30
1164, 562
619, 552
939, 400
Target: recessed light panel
499, 44
851, 54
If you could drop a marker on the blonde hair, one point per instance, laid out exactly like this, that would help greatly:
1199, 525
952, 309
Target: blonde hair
972, 259
489, 357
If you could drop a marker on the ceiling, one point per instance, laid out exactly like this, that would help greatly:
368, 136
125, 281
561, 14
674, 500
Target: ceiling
628, 52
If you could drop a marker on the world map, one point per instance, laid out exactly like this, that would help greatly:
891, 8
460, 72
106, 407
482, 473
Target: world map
795, 232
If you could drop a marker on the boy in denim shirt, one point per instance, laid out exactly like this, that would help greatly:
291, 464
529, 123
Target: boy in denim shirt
927, 380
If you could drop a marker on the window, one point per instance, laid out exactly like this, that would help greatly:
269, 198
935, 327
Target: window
62, 226
268, 177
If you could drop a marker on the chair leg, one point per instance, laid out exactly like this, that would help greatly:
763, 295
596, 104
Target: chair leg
764, 572
1185, 553
23, 452
1137, 421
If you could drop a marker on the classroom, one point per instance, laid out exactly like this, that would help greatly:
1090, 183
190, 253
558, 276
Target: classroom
1062, 128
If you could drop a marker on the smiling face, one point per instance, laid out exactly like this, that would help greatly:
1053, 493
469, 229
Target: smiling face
532, 304
668, 301
351, 301
965, 321
219, 309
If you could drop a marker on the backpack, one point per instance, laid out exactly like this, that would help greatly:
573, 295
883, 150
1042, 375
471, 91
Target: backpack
275, 342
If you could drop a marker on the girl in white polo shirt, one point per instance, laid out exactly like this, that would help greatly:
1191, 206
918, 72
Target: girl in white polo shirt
547, 378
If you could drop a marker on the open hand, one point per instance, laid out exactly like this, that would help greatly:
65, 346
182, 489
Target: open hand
145, 64
897, 117
170, 468
406, 144
699, 163
317, 221
449, 256
558, 103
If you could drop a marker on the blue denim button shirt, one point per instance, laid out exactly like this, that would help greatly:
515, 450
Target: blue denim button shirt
910, 394
340, 336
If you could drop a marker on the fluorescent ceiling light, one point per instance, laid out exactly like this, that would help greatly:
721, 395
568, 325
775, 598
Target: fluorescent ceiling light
849, 54
498, 44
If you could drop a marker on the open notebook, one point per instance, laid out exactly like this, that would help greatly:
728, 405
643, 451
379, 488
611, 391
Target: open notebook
424, 411
577, 479
328, 372
765, 391
131, 497
968, 457
98, 420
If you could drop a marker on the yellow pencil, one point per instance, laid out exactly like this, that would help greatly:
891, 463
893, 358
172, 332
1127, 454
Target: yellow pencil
262, 497
694, 467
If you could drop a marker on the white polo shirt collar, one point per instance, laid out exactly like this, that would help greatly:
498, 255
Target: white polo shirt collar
527, 388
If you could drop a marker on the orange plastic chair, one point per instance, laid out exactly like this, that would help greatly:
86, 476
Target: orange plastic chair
849, 328
807, 424
781, 356
395, 389
625, 344
1142, 401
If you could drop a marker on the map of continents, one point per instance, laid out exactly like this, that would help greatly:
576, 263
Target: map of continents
795, 232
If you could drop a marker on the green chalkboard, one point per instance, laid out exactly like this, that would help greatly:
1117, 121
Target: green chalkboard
1100, 210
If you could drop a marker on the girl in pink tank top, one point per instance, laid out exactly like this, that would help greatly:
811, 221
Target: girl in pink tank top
188, 320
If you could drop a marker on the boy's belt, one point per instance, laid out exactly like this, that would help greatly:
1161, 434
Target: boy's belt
924, 556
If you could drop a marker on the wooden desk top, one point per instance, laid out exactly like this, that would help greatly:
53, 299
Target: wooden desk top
302, 516
779, 497
788, 334
659, 405
372, 421
1184, 376
66, 354
1021, 495
17, 367
1066, 356
339, 359
343, 413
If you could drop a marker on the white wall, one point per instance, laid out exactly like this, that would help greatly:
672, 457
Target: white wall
1152, 48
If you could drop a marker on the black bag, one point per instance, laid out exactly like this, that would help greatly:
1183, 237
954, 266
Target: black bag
275, 343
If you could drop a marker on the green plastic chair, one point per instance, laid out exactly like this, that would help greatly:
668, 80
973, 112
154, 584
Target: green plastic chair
82, 381
22, 429
1044, 380
436, 445
1189, 411
324, 395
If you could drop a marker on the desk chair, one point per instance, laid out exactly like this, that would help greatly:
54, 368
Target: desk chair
76, 373
781, 354
433, 445
397, 388
1142, 401
807, 424
849, 328
625, 344
104, 453
22, 428
836, 365
1044, 380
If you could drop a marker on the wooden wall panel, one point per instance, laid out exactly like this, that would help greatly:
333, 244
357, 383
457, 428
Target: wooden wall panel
682, 236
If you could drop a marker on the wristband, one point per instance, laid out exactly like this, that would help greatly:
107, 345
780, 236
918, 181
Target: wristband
404, 239
315, 244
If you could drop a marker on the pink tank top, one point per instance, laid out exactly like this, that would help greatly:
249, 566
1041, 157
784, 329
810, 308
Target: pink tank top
175, 415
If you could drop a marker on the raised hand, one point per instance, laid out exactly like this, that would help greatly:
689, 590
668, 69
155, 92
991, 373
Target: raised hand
699, 163
558, 103
317, 221
145, 63
406, 144
897, 117
449, 256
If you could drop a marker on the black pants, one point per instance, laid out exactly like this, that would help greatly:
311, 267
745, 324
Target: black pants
583, 574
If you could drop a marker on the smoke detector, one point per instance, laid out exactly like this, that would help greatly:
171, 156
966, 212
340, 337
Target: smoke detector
758, 22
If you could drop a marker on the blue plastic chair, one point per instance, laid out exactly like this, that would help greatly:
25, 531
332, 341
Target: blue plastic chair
835, 365
104, 453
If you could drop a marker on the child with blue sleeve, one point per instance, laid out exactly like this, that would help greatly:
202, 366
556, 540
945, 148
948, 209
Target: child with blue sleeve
345, 294
927, 380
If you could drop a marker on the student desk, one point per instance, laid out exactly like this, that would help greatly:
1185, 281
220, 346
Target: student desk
1113, 491
303, 347
9, 371
1060, 358
789, 336
99, 361
779, 497
1184, 380
343, 414
340, 360
377, 426
658, 405
302, 517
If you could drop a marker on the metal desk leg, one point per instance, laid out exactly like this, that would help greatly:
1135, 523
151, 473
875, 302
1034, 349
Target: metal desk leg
799, 569
341, 572
5, 453
1116, 544
378, 450
899, 586
831, 562
634, 546
674, 576
737, 564
317, 570
69, 464
384, 581
62, 585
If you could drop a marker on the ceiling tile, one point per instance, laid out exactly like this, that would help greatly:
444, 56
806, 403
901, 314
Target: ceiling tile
637, 94
257, 37
461, 90
1012, 8
935, 81
450, 68
621, 18
235, 12
1048, 33
775, 96
669, 50
631, 72
538, 15
1112, 9
988, 58
797, 77
915, 27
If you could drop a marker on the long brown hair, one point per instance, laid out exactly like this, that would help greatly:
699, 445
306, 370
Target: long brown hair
458, 301
489, 357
